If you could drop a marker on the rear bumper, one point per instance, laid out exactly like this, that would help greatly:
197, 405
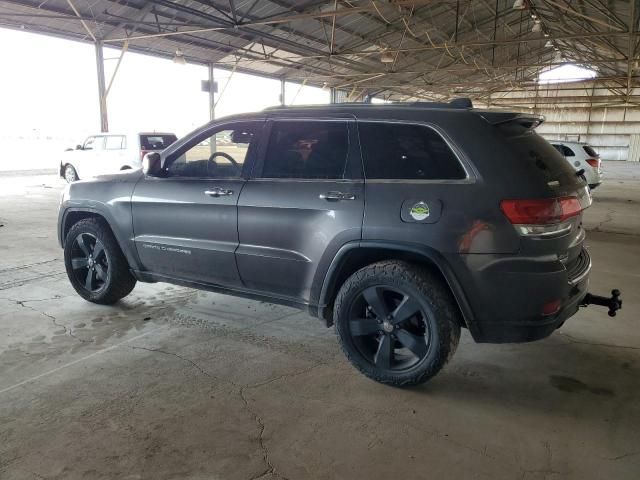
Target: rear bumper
508, 295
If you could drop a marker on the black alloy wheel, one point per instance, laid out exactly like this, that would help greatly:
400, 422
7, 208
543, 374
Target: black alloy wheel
397, 322
389, 328
89, 262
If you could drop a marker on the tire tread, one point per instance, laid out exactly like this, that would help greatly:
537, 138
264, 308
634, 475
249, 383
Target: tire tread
439, 297
122, 281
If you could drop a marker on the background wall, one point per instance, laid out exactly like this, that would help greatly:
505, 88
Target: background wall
611, 125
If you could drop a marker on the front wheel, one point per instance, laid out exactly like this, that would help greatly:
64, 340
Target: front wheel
70, 174
96, 267
397, 323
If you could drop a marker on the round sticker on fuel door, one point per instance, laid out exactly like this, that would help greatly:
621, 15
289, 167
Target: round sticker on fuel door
419, 211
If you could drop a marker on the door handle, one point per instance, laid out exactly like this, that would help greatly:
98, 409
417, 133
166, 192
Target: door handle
218, 192
336, 196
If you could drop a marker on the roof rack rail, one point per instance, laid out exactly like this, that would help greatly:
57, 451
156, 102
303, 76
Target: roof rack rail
461, 103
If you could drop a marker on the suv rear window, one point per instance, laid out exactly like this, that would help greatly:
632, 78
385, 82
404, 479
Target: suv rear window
590, 151
530, 147
156, 142
564, 150
408, 152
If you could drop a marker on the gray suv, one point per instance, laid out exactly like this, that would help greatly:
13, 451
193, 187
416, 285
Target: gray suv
400, 224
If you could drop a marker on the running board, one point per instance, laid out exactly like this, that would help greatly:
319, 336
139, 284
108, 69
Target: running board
614, 302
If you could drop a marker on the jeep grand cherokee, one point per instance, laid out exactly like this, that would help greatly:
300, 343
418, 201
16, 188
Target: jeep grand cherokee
400, 224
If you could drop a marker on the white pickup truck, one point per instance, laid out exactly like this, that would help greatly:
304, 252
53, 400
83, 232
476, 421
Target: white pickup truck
109, 153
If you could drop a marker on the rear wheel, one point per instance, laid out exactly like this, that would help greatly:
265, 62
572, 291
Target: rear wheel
397, 323
96, 267
70, 174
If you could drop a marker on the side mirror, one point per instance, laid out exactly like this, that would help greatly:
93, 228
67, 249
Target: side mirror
78, 147
152, 164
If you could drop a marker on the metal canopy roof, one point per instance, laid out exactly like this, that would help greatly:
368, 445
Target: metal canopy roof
432, 50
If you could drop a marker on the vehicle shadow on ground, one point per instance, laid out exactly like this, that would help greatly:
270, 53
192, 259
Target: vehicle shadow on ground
553, 375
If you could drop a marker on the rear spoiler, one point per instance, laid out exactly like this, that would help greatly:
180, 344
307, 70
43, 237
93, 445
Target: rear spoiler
529, 121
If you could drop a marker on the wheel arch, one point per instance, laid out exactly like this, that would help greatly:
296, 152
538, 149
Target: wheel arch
355, 255
72, 216
67, 163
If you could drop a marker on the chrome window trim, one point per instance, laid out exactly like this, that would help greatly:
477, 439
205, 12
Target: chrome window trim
460, 156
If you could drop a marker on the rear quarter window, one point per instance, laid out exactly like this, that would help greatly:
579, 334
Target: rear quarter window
408, 152
156, 142
590, 151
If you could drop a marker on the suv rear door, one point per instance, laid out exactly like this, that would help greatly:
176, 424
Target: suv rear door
305, 200
186, 223
416, 186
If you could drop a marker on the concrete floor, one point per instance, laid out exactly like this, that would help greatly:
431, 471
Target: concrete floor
173, 383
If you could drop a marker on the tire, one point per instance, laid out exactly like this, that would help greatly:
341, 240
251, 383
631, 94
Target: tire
70, 174
393, 290
95, 264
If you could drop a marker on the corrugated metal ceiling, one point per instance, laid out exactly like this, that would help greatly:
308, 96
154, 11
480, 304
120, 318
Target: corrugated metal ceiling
436, 49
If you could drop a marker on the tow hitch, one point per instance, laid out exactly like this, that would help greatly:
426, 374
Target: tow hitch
614, 302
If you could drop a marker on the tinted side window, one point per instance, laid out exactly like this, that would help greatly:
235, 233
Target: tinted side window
307, 149
590, 151
567, 152
402, 151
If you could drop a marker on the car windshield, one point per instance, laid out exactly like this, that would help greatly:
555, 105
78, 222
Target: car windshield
156, 142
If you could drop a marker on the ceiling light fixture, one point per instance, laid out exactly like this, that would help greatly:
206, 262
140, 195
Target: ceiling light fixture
179, 58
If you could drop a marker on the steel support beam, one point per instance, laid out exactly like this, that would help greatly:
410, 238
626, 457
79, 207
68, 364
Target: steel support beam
102, 91
212, 93
282, 92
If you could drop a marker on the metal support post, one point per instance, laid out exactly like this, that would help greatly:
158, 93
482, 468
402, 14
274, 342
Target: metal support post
104, 120
282, 87
212, 93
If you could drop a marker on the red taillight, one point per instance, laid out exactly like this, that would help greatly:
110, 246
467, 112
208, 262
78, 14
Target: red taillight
540, 211
594, 162
143, 153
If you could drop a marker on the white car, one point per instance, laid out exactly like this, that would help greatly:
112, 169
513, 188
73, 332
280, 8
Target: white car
109, 153
582, 156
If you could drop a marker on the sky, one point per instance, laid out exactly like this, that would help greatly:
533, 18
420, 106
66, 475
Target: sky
49, 88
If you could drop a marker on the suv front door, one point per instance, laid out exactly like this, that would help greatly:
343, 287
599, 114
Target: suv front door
305, 200
186, 222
